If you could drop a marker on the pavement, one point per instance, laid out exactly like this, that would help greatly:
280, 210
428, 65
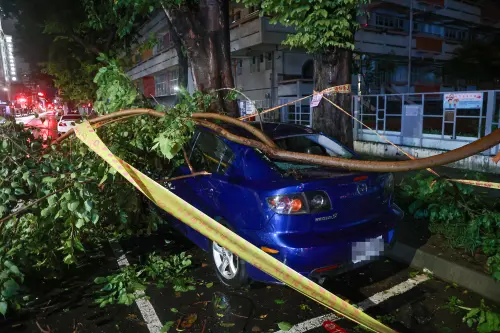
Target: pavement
44, 125
404, 298
406, 290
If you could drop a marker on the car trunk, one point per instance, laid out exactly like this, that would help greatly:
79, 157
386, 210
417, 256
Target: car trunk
356, 198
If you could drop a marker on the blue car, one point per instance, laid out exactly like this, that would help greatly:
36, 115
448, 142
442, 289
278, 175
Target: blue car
317, 220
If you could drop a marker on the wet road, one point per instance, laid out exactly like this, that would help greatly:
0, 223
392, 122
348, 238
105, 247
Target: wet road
45, 125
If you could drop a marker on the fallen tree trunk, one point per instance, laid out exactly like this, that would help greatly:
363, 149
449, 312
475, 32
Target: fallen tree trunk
267, 146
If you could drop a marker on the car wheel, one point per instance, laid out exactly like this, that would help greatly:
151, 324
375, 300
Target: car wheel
229, 268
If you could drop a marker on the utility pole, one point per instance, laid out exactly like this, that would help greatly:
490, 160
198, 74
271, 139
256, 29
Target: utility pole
410, 45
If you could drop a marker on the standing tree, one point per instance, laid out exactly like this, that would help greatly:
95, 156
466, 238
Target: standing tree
203, 29
325, 29
201, 36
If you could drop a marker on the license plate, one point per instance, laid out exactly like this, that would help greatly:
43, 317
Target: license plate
367, 250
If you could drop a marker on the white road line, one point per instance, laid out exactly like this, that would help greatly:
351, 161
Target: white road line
148, 312
364, 305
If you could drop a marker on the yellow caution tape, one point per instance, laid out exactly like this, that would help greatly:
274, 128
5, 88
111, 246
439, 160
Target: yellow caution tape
223, 236
477, 183
343, 89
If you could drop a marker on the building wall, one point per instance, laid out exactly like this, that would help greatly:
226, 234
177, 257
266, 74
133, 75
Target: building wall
438, 32
479, 163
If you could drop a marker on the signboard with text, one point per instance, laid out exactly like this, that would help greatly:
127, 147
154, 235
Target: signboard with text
315, 100
472, 100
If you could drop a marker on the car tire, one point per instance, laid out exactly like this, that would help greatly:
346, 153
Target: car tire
229, 268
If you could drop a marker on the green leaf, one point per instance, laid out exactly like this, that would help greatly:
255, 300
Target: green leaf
49, 180
100, 280
210, 285
284, 326
103, 179
167, 326
279, 301
10, 288
174, 310
13, 268
138, 286
3, 308
80, 223
73, 206
88, 205
19, 191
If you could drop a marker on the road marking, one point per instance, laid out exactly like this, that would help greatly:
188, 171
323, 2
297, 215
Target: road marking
364, 305
147, 311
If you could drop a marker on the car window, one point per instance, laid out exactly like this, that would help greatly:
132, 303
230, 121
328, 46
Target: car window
209, 153
316, 144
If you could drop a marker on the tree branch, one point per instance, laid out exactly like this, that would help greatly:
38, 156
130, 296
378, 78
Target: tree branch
468, 150
187, 160
194, 174
90, 48
28, 206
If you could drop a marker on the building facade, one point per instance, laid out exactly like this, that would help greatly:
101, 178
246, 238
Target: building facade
8, 71
401, 48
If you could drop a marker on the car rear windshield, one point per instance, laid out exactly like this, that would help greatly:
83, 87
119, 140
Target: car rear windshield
316, 144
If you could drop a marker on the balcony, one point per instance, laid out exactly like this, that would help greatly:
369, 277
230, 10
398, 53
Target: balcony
434, 3
253, 31
156, 63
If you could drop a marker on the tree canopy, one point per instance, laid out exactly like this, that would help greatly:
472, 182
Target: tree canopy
320, 25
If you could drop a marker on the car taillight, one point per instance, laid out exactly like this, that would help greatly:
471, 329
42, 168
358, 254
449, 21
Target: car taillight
62, 124
300, 203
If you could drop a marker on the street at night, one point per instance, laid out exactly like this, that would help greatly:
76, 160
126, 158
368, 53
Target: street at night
249, 166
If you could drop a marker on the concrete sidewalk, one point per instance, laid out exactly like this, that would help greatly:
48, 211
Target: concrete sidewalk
413, 245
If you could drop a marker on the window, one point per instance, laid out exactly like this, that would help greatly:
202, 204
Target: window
255, 66
236, 16
138, 57
251, 9
159, 45
211, 154
269, 60
167, 41
455, 34
386, 21
239, 67
261, 58
316, 144
161, 85
430, 29
173, 76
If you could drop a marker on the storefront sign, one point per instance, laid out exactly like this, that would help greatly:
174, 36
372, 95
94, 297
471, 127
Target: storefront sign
463, 101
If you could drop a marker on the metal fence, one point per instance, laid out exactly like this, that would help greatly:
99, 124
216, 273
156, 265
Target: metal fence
443, 121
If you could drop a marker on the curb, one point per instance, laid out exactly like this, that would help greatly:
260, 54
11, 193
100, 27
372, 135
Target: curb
447, 270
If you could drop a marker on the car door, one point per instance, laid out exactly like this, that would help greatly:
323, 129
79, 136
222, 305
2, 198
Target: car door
209, 153
183, 188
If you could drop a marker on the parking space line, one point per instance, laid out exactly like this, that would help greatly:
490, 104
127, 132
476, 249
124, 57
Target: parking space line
145, 307
364, 305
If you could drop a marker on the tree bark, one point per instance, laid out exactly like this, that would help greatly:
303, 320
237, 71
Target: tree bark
333, 68
203, 30
181, 54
